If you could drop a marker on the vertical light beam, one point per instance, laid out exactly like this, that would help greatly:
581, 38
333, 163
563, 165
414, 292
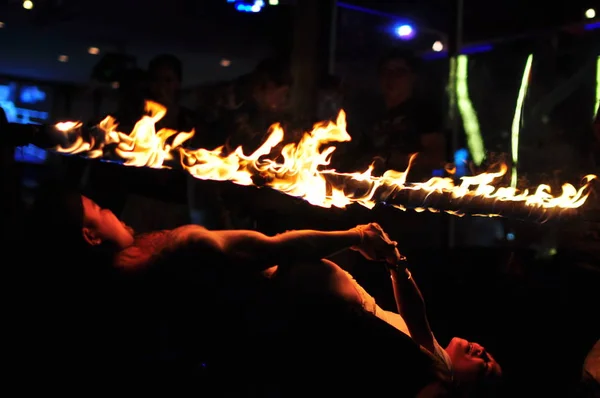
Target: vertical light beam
467, 112
516, 124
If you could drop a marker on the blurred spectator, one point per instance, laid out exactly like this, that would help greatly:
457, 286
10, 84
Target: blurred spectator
132, 87
408, 125
244, 110
330, 98
264, 99
166, 74
216, 102
329, 104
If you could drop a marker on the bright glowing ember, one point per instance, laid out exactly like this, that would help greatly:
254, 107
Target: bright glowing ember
299, 169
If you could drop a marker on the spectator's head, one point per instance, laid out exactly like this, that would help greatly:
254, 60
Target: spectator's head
271, 84
330, 97
165, 74
397, 75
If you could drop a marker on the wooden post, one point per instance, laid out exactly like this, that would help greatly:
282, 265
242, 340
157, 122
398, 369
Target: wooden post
310, 54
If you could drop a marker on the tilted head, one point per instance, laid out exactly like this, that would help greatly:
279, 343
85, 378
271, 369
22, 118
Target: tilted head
73, 226
474, 368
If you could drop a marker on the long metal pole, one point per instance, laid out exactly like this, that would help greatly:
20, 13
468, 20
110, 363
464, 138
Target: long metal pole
455, 44
333, 37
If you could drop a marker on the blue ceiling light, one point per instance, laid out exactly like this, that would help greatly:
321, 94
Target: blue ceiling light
474, 49
248, 6
592, 26
405, 31
402, 29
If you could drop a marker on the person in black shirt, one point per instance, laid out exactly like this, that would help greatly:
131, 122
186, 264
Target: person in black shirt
407, 125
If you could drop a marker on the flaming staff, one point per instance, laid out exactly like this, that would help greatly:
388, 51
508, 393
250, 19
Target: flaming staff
302, 170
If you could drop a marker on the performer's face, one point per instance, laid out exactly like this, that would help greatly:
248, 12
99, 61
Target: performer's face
470, 361
101, 225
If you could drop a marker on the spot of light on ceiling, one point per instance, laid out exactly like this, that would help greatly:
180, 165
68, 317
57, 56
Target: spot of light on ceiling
225, 62
273, 2
437, 46
63, 58
93, 50
1, 25
405, 32
28, 4
590, 13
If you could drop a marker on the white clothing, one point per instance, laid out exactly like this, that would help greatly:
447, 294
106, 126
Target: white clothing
368, 303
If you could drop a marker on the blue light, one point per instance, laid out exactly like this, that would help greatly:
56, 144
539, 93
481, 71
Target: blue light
477, 49
30, 154
461, 158
405, 31
435, 55
15, 111
32, 95
246, 6
592, 26
366, 10
14, 101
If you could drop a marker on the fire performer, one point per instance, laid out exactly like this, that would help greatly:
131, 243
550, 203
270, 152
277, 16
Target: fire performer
92, 242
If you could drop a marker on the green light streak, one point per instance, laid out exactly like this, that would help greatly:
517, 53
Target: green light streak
467, 112
516, 124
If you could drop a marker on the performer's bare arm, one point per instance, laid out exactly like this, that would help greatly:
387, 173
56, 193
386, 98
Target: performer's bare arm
411, 306
261, 251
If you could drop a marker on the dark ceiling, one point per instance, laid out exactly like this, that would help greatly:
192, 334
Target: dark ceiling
213, 24
202, 32
206, 24
484, 19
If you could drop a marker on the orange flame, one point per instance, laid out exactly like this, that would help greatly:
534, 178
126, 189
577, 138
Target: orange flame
300, 169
